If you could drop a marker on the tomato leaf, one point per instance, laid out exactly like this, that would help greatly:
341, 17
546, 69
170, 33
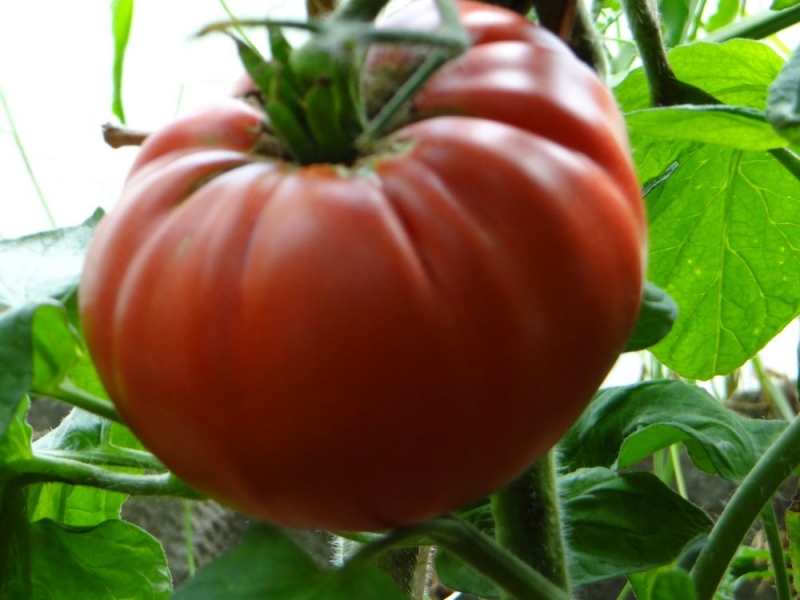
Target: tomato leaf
663, 584
730, 126
782, 102
637, 507
110, 561
598, 505
737, 73
674, 17
266, 564
724, 15
44, 265
656, 316
37, 348
92, 439
624, 425
723, 242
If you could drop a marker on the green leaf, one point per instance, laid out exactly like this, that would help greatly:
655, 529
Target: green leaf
87, 437
44, 265
674, 15
726, 13
121, 19
656, 316
793, 534
111, 561
16, 360
725, 245
730, 126
649, 523
737, 73
37, 348
15, 442
781, 4
624, 425
663, 584
724, 235
783, 106
55, 346
266, 564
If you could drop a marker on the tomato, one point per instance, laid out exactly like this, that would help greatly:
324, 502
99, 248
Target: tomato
370, 346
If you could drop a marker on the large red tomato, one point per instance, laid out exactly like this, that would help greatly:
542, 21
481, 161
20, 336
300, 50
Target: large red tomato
369, 346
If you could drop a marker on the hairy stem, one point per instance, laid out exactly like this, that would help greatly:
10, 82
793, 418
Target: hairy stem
45, 468
478, 550
72, 394
528, 521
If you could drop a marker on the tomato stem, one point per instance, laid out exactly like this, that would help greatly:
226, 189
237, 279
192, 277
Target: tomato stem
528, 521
769, 473
478, 550
46, 468
72, 394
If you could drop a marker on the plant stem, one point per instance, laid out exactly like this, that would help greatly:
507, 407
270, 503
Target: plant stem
758, 26
680, 482
775, 396
359, 10
188, 531
777, 463
643, 21
665, 88
770, 523
72, 394
121, 457
45, 468
478, 550
528, 522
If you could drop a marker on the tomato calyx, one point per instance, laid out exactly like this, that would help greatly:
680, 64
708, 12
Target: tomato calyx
317, 106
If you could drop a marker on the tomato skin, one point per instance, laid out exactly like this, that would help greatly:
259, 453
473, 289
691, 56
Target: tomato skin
293, 341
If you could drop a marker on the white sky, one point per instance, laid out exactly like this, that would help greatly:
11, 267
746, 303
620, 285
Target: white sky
55, 72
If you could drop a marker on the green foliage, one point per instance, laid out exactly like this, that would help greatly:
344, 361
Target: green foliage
783, 110
722, 243
656, 316
108, 561
625, 425
651, 524
266, 564
663, 584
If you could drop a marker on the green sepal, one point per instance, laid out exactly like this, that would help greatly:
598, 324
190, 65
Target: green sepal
261, 72
322, 111
297, 139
